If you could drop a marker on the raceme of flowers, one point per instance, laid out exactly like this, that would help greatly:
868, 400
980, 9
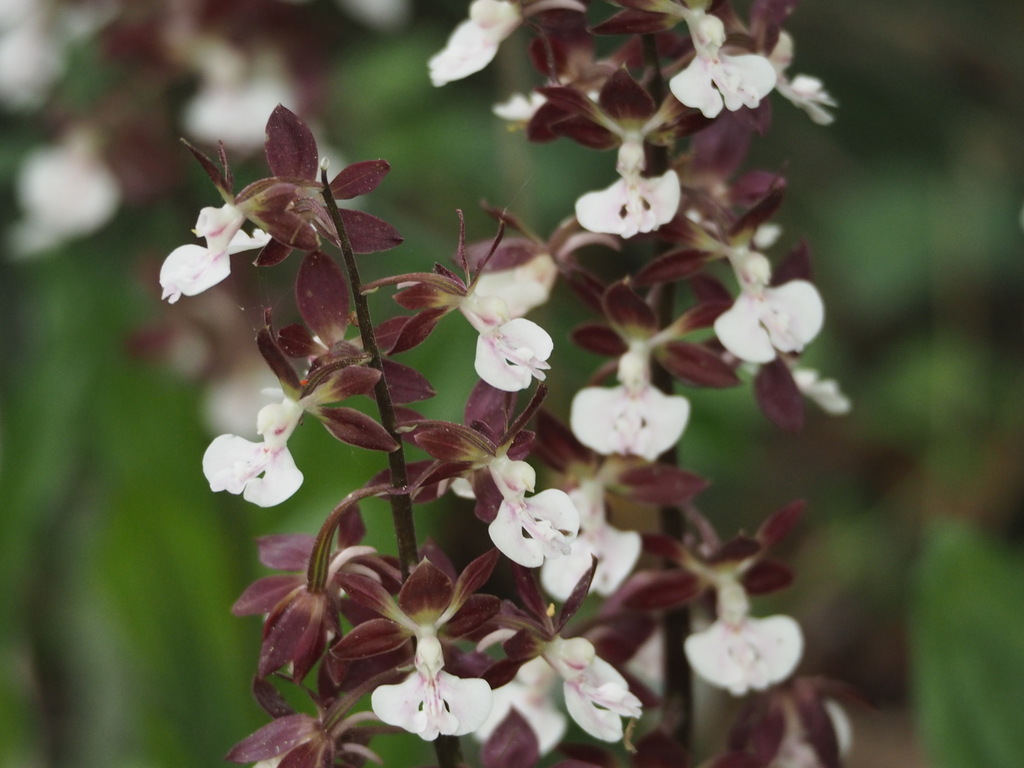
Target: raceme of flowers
440, 651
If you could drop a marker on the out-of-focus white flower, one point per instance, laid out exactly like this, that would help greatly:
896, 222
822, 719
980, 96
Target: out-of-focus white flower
631, 205
630, 421
31, 60
66, 191
519, 108
234, 98
762, 321
530, 695
475, 41
522, 288
383, 15
714, 78
806, 92
824, 392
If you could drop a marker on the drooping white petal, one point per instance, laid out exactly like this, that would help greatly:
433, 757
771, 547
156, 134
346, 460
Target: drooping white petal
519, 108
191, 269
795, 314
741, 333
750, 654
529, 693
617, 552
743, 80
521, 288
511, 355
825, 392
635, 422
475, 41
694, 88
631, 205
234, 464
598, 699
280, 480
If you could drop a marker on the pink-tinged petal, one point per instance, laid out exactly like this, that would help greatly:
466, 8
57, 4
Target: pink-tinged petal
475, 41
231, 461
694, 88
741, 333
597, 700
744, 80
219, 226
191, 269
529, 530
432, 705
510, 356
631, 205
825, 392
751, 654
279, 482
796, 315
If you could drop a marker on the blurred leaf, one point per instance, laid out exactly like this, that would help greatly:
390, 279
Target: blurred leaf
968, 648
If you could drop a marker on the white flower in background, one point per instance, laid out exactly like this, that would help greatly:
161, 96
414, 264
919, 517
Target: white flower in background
634, 203
522, 288
519, 108
475, 41
596, 695
431, 702
740, 653
264, 473
191, 269
548, 519
633, 419
31, 58
763, 319
617, 551
529, 693
383, 15
66, 191
510, 352
234, 97
806, 92
824, 392
714, 78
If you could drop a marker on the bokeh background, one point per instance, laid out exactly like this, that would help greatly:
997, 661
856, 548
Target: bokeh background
117, 564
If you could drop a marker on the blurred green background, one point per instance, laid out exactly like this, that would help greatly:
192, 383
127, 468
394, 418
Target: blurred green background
118, 566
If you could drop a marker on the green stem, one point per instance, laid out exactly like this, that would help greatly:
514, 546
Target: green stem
677, 701
401, 503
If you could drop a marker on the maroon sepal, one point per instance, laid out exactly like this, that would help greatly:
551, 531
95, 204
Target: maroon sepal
696, 365
271, 204
778, 396
451, 442
660, 545
530, 595
558, 447
321, 294
491, 407
264, 594
710, 290
625, 101
285, 551
719, 150
659, 750
743, 230
339, 381
296, 341
702, 315
407, 385
368, 234
780, 523
272, 253
275, 738
660, 590
586, 756
367, 593
277, 361
369, 639
736, 550
290, 146
635, 22
221, 180
502, 672
796, 266
767, 576
426, 593
512, 744
626, 310
476, 611
674, 265
268, 697
577, 596
475, 575
359, 179
660, 484
296, 632
356, 428
599, 339
414, 330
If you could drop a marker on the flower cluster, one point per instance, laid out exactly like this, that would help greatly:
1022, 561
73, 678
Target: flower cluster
410, 642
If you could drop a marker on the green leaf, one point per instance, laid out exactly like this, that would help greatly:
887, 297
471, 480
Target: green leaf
968, 650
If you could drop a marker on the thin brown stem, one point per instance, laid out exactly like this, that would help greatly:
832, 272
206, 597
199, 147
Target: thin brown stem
316, 574
677, 702
401, 503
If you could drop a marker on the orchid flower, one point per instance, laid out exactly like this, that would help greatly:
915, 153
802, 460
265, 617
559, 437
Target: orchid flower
803, 91
474, 43
510, 352
715, 79
191, 269
264, 474
529, 693
596, 695
740, 653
